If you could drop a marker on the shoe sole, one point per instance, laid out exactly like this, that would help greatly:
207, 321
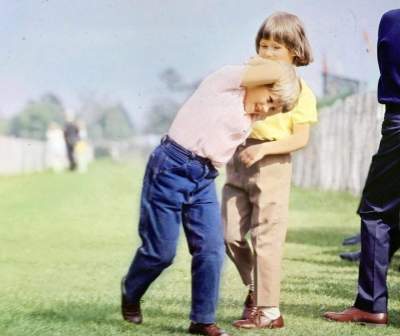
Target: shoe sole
268, 327
197, 333
371, 325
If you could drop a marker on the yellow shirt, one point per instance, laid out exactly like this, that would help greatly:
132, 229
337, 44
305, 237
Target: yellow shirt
280, 125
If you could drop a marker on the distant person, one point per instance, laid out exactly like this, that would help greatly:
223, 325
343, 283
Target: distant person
179, 181
71, 135
352, 240
380, 203
351, 256
56, 154
83, 150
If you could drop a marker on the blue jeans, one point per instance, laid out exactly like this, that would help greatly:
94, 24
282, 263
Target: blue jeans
379, 211
179, 187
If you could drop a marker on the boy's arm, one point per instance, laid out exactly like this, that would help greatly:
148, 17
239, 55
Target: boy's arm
295, 141
261, 72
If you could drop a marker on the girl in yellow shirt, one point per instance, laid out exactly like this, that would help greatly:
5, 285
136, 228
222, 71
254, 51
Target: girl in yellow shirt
256, 193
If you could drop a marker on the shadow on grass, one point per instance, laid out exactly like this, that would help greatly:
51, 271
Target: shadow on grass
306, 287
77, 312
168, 316
316, 311
345, 266
317, 236
308, 312
161, 319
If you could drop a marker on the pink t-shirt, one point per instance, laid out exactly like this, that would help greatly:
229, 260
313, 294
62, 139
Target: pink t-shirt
212, 122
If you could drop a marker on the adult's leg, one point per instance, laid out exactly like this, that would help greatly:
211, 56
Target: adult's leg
379, 220
394, 241
71, 156
379, 212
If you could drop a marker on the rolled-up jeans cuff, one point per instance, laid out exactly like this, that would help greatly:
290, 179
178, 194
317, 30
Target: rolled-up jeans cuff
201, 318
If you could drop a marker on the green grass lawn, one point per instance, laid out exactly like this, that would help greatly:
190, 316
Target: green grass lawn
66, 240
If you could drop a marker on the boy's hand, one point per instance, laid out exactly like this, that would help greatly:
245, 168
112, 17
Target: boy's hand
251, 155
256, 116
256, 60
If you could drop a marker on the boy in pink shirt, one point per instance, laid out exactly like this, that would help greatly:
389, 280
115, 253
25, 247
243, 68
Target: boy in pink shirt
179, 181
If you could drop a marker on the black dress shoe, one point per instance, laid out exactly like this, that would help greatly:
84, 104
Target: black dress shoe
353, 240
206, 329
131, 311
350, 256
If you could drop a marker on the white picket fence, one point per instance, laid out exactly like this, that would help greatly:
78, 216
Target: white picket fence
341, 145
337, 157
21, 155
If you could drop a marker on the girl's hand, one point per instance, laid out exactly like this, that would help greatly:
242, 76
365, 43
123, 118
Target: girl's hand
251, 155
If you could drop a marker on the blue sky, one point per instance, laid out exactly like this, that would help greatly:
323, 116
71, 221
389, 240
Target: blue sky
116, 49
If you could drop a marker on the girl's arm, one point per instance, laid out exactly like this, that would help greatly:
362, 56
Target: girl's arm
261, 72
295, 141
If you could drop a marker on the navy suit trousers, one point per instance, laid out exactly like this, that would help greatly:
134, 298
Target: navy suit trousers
379, 211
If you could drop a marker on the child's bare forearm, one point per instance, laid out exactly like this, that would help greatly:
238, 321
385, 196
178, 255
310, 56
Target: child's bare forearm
288, 145
297, 140
266, 72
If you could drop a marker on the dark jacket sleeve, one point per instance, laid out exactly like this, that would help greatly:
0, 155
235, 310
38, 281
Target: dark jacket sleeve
389, 58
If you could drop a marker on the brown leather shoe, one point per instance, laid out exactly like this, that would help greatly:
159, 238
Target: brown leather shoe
131, 312
206, 329
359, 316
257, 320
249, 304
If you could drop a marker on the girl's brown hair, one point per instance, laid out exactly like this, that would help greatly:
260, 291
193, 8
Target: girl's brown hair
287, 29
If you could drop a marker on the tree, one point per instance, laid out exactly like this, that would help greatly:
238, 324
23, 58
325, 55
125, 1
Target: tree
160, 115
173, 81
33, 120
163, 110
106, 120
3, 126
116, 123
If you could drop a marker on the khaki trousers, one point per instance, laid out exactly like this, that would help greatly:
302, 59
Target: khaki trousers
256, 200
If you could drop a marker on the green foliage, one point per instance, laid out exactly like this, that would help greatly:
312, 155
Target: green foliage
116, 123
161, 115
67, 239
330, 100
33, 120
109, 121
162, 112
3, 126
